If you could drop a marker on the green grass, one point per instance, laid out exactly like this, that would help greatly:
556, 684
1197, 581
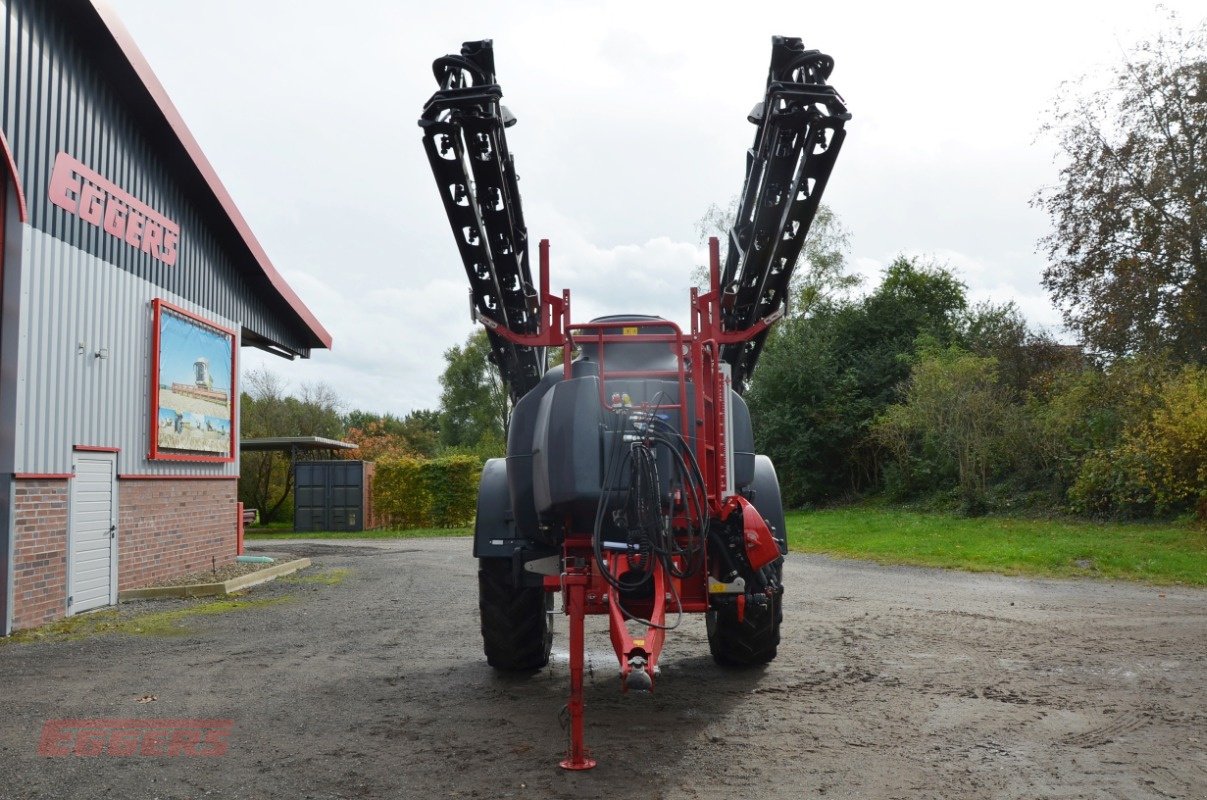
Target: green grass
414, 533
155, 623
1154, 552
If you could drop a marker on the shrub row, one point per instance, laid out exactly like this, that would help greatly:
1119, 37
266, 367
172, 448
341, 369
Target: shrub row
426, 492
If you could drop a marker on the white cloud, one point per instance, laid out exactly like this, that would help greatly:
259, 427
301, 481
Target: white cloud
628, 132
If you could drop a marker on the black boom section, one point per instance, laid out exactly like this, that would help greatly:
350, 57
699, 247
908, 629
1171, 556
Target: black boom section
463, 132
800, 130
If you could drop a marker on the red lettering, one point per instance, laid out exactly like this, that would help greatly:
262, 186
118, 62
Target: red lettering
134, 228
216, 743
184, 742
115, 218
90, 741
64, 185
56, 739
124, 741
152, 238
97, 200
170, 239
92, 204
152, 742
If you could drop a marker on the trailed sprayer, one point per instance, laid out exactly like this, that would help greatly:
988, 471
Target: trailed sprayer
631, 487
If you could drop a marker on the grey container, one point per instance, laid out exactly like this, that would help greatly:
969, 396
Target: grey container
333, 496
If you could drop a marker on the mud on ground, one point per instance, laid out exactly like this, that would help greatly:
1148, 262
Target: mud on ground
891, 683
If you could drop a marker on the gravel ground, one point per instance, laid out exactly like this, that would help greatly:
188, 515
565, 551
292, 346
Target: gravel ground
891, 683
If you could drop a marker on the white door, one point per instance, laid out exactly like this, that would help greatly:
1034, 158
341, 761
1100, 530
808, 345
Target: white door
92, 572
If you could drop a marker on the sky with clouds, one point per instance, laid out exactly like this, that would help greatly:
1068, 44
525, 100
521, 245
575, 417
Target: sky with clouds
632, 121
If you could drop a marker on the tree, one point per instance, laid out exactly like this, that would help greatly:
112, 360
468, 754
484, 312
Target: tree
820, 270
474, 407
999, 331
266, 478
1128, 253
952, 418
387, 436
825, 377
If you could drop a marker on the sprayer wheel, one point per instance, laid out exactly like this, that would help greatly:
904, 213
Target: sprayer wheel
517, 622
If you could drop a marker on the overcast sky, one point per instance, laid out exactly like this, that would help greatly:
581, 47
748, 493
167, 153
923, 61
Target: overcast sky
632, 120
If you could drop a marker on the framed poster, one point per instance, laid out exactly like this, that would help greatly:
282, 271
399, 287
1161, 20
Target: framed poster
192, 387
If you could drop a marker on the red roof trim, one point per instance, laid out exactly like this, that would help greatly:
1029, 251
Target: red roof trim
124, 41
12, 170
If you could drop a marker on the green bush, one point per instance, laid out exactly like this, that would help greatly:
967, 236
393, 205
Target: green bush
953, 422
426, 492
1158, 462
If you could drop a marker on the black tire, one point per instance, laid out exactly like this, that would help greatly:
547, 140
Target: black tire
749, 643
517, 623
752, 642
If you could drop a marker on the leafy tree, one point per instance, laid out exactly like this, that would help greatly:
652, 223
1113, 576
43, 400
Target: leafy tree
387, 436
825, 377
1128, 255
265, 478
820, 270
474, 407
953, 418
1158, 461
1023, 356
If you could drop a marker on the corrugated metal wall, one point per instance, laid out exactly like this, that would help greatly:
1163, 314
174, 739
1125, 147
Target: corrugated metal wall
65, 398
55, 98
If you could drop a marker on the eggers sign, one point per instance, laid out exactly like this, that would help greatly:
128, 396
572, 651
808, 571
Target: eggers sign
135, 737
95, 199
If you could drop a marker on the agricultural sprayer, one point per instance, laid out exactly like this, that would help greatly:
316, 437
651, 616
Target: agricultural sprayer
631, 486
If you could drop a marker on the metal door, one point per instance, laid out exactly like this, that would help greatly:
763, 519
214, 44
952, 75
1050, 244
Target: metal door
92, 532
329, 496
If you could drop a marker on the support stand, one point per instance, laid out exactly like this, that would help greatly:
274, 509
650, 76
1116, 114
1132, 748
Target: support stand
576, 588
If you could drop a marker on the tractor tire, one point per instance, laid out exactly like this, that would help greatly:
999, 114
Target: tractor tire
517, 622
752, 642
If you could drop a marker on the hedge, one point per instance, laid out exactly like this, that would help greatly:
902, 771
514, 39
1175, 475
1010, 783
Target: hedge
426, 492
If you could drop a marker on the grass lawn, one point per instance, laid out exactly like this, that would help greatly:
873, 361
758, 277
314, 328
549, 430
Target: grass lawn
284, 532
1156, 552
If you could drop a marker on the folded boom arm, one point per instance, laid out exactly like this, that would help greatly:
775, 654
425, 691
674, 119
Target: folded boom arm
464, 136
800, 130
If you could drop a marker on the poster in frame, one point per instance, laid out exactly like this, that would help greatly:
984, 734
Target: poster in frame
193, 391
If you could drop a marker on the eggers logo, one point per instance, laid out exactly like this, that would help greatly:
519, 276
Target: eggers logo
95, 199
135, 737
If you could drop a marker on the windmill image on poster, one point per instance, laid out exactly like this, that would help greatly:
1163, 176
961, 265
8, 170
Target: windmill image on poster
194, 386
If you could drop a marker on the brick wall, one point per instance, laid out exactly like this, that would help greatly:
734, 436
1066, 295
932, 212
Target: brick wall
40, 552
168, 528
165, 528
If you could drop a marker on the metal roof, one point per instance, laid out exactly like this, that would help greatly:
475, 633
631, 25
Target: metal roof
287, 443
158, 99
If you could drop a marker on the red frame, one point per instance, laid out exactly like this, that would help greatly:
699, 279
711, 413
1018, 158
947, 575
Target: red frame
584, 591
154, 453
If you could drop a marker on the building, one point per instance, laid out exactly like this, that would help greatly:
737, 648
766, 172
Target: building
130, 283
